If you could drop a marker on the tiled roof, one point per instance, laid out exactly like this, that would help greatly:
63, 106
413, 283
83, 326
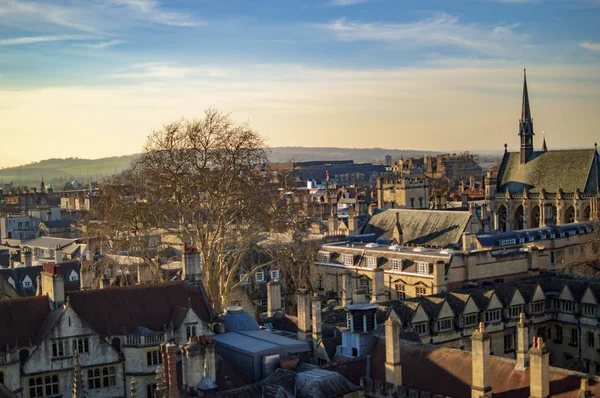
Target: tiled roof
152, 306
17, 328
439, 228
553, 170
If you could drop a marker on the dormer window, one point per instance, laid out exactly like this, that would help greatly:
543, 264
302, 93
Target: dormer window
26, 283
259, 276
396, 264
521, 240
324, 257
73, 277
274, 275
423, 267
468, 320
349, 259
244, 279
493, 316
515, 311
508, 242
371, 262
444, 325
552, 236
422, 328
567, 306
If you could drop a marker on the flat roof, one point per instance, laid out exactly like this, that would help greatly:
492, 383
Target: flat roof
277, 339
244, 343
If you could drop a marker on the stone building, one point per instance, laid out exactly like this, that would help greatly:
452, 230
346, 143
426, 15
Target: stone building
402, 193
541, 188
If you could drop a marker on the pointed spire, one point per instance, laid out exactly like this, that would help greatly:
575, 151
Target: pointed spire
526, 125
525, 111
78, 385
544, 146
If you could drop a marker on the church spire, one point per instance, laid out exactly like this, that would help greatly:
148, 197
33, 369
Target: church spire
526, 124
544, 146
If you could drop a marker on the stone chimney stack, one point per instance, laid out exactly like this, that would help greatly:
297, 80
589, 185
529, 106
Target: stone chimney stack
53, 284
584, 390
393, 368
347, 289
105, 282
304, 318
466, 241
439, 277
58, 255
170, 369
191, 264
481, 383
378, 286
522, 344
316, 320
539, 369
26, 257
359, 296
273, 298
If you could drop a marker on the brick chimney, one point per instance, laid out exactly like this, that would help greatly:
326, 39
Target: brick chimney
53, 284
378, 286
347, 289
304, 319
170, 369
393, 368
191, 264
58, 255
439, 277
522, 344
316, 320
26, 257
481, 385
273, 298
539, 369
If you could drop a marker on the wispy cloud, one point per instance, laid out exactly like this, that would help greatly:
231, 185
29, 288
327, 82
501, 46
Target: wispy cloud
16, 41
588, 45
160, 70
337, 3
101, 45
153, 11
440, 30
519, 1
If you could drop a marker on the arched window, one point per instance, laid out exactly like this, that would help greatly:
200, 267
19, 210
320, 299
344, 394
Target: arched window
519, 222
569, 215
502, 219
586, 213
535, 217
550, 212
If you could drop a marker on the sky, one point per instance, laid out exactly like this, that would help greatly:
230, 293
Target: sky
92, 78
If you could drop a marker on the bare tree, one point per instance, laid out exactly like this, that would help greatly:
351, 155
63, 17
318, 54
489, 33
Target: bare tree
202, 183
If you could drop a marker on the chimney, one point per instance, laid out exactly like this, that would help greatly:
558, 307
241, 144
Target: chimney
86, 276
346, 289
393, 368
316, 321
53, 284
304, 319
105, 282
38, 287
522, 344
273, 298
378, 286
481, 382
466, 241
539, 369
191, 365
439, 277
58, 255
464, 198
359, 296
191, 264
584, 390
26, 257
170, 369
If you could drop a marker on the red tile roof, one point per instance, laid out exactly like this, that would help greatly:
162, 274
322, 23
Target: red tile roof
451, 370
21, 320
151, 305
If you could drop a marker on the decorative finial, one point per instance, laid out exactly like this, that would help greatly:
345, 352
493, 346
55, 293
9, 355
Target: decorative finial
505, 147
481, 327
133, 388
189, 302
522, 318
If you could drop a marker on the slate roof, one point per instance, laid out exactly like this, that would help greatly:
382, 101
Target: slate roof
15, 327
439, 228
451, 369
149, 305
19, 274
568, 170
48, 242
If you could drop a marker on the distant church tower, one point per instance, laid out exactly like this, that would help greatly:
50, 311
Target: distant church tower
526, 125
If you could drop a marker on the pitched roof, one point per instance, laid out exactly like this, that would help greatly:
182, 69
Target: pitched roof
151, 305
14, 327
19, 274
451, 370
440, 228
568, 170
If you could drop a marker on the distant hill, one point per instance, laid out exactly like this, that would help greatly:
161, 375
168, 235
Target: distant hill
57, 172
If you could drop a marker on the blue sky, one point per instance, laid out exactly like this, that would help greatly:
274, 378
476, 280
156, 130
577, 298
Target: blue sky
386, 73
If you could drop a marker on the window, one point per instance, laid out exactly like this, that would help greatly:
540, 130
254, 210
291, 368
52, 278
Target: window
190, 331
36, 387
574, 338
468, 320
26, 283
94, 379
153, 358
515, 311
60, 348
412, 203
81, 345
244, 279
400, 291
508, 342
282, 303
274, 275
444, 325
320, 283
420, 291
422, 267
43, 386
264, 306
108, 376
588, 310
421, 328
567, 306
396, 264
349, 259
420, 201
321, 361
538, 307
73, 277
493, 316
349, 320
559, 336
259, 276
590, 339
371, 262
365, 284
551, 257
508, 242
324, 257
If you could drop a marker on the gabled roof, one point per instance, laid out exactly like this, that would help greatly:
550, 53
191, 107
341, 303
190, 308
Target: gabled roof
439, 228
153, 306
19, 274
21, 320
568, 170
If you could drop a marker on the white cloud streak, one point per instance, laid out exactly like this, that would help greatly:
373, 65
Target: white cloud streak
153, 11
166, 71
341, 3
101, 45
588, 45
16, 41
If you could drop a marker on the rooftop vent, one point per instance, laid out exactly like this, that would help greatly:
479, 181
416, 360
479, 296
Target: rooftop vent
371, 245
